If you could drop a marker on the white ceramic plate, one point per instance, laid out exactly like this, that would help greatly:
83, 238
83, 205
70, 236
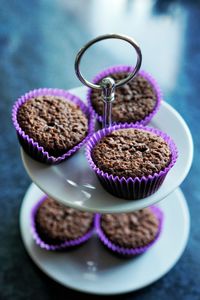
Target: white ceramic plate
74, 184
91, 268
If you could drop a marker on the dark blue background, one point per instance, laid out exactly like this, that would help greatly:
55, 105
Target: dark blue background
38, 43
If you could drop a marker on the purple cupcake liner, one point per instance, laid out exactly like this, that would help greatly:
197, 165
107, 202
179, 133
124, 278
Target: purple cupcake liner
130, 188
127, 251
144, 74
32, 147
42, 244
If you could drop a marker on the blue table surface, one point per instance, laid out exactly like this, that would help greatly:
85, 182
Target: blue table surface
38, 43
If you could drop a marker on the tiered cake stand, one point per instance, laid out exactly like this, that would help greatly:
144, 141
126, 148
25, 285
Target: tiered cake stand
91, 268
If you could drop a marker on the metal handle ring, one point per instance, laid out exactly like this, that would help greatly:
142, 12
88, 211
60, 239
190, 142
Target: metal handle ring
104, 37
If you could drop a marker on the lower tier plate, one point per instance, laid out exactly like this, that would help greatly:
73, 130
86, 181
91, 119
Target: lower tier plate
92, 269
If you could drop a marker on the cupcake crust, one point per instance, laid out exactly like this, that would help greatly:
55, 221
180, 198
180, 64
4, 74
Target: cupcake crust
133, 101
131, 230
55, 123
57, 223
131, 153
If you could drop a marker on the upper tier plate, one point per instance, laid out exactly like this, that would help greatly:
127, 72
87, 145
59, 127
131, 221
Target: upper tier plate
74, 184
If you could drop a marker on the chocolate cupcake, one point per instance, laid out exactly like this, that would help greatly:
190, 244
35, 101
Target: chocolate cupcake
135, 102
51, 124
130, 234
131, 161
56, 227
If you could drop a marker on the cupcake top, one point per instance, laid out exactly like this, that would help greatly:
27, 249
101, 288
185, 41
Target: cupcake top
133, 101
131, 153
131, 230
55, 123
57, 223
